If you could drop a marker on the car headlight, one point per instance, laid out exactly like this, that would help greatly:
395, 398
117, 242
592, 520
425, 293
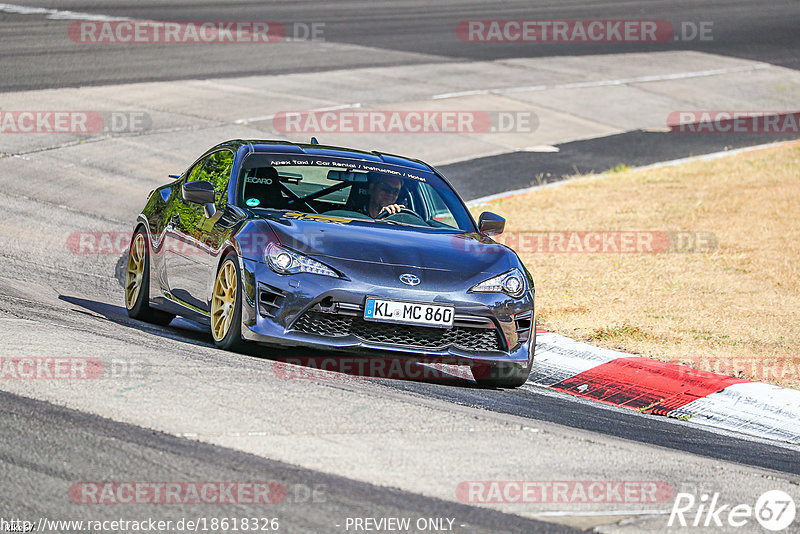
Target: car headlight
512, 283
285, 261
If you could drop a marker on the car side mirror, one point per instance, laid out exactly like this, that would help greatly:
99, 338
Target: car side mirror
200, 192
491, 224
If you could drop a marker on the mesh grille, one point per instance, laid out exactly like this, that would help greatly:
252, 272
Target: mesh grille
332, 325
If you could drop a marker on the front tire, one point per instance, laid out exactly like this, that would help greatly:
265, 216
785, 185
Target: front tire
502, 374
137, 283
226, 306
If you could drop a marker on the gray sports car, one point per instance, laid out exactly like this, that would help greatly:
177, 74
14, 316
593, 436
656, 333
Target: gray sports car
290, 244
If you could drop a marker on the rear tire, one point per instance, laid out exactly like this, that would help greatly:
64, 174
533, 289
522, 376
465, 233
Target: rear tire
137, 283
226, 306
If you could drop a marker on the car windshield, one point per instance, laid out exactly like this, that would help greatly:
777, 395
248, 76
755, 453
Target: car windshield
355, 189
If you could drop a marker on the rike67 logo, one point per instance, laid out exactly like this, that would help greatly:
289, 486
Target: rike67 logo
774, 510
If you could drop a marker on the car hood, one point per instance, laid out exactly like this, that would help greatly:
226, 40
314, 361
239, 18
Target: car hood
355, 241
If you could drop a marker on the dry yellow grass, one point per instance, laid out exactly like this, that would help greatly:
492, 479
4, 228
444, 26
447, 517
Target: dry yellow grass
734, 310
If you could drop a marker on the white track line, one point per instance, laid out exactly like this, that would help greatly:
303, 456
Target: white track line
604, 83
55, 14
601, 513
270, 117
571, 85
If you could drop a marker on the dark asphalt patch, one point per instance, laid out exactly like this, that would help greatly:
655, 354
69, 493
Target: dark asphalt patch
497, 174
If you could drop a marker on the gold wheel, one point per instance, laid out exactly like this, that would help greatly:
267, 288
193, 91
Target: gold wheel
223, 302
135, 273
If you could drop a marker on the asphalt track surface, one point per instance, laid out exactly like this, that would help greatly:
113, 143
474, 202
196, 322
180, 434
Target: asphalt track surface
37, 52
90, 448
47, 447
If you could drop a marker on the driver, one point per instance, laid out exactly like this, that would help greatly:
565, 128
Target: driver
383, 191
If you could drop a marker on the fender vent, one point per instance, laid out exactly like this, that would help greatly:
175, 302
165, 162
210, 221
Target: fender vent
270, 300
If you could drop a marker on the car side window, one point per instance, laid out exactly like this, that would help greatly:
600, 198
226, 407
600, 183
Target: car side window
195, 171
216, 169
438, 210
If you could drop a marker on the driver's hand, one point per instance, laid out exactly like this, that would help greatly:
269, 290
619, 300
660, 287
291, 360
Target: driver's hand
393, 208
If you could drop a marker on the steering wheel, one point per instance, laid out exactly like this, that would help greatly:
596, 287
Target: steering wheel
383, 214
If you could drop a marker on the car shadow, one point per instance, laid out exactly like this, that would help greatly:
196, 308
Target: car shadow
179, 329
296, 363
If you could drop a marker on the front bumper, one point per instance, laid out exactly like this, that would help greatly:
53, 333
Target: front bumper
306, 310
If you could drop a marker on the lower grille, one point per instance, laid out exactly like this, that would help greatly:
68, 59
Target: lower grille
334, 325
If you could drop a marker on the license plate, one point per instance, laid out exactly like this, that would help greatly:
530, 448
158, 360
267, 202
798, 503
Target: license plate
398, 311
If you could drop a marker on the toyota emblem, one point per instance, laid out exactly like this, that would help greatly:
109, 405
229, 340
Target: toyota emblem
409, 279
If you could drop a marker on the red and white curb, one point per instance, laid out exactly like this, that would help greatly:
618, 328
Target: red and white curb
653, 387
